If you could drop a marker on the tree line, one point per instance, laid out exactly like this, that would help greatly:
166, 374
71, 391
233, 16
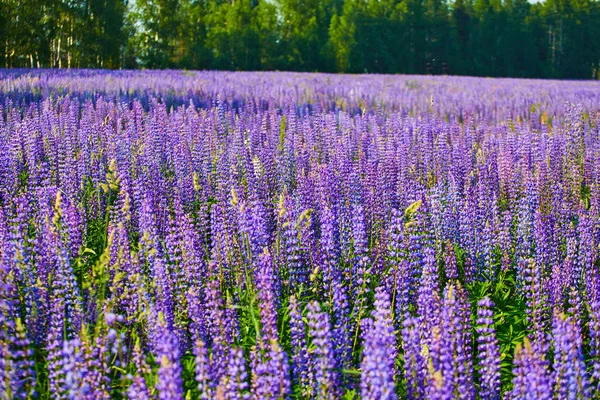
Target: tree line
512, 38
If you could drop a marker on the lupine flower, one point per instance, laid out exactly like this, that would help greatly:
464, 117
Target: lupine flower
217, 326
594, 326
536, 301
570, 375
22, 380
414, 364
337, 292
104, 355
129, 195
270, 372
196, 314
488, 351
265, 286
234, 385
379, 352
449, 363
292, 250
169, 384
361, 260
532, 378
205, 386
301, 372
326, 376
55, 342
429, 299
138, 390
75, 371
270, 377
450, 262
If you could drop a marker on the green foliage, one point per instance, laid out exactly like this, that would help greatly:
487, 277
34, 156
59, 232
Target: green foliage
510, 317
57, 33
556, 39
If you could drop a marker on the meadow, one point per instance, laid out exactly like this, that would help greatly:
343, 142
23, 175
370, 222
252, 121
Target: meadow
266, 235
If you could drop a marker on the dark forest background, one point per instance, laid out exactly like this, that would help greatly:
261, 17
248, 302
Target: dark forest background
513, 38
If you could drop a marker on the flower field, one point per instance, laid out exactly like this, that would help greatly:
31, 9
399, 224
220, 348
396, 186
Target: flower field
219, 235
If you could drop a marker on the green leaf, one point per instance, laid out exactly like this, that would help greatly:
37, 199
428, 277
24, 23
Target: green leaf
282, 133
351, 371
413, 208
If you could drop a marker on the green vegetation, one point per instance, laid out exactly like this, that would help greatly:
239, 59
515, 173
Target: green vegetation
513, 38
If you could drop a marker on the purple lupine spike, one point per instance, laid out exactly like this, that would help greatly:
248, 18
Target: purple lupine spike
249, 239
17, 254
192, 249
439, 372
532, 378
203, 378
169, 384
379, 352
576, 305
75, 371
301, 373
450, 365
292, 247
400, 268
306, 225
178, 280
587, 247
148, 233
253, 224
395, 247
22, 378
270, 369
164, 294
594, 326
450, 261
467, 224
97, 361
541, 229
414, 364
126, 292
429, 300
5, 364
64, 285
73, 228
216, 325
265, 280
9, 335
138, 390
326, 376
404, 290
443, 357
504, 239
524, 234
488, 272
54, 346
234, 385
4, 235
196, 310
336, 291
488, 351
361, 262
436, 223
174, 260
219, 235
464, 351
570, 375
536, 302
270, 372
